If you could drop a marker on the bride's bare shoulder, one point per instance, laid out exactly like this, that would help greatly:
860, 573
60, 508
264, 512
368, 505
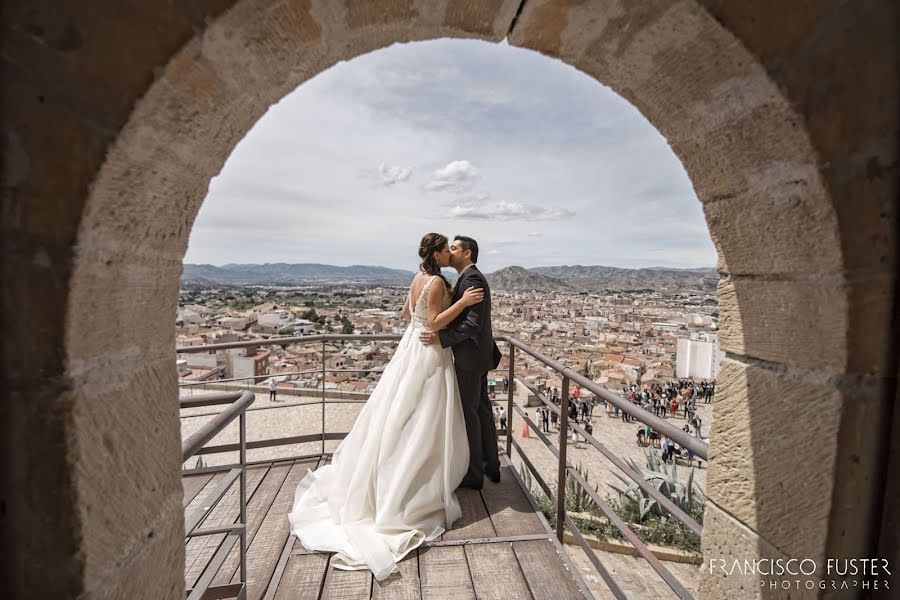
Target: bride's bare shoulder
416, 284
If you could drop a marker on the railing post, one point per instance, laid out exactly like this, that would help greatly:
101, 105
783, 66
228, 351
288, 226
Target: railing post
563, 444
509, 401
323, 396
243, 457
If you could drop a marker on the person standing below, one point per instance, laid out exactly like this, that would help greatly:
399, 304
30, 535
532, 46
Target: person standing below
502, 418
471, 337
273, 390
697, 422
554, 418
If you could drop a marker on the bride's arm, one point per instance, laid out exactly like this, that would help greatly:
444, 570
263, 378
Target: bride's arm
436, 293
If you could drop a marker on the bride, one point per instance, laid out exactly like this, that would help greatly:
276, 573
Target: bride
389, 486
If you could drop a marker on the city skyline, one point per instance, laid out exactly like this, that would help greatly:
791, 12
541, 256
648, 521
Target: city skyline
537, 161
413, 270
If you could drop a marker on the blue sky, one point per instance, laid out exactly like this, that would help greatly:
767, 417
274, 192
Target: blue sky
537, 161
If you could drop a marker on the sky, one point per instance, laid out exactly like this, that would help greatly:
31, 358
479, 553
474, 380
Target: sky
538, 162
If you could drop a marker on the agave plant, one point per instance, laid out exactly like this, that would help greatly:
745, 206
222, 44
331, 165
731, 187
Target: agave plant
526, 476
577, 498
665, 479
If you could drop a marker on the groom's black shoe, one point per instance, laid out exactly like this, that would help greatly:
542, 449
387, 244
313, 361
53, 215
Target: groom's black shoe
470, 484
495, 477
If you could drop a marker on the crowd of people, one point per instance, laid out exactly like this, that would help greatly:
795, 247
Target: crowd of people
663, 400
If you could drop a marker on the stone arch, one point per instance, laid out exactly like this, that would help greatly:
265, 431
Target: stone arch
113, 153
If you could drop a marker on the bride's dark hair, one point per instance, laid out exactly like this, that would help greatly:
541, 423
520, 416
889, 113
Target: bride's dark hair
431, 243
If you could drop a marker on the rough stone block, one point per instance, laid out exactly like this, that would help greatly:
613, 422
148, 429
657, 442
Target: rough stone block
773, 450
783, 229
119, 316
799, 323
127, 462
152, 569
727, 539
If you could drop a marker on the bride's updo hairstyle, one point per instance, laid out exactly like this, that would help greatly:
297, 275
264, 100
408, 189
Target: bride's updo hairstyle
431, 243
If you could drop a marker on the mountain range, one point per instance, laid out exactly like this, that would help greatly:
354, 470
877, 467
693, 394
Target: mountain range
576, 278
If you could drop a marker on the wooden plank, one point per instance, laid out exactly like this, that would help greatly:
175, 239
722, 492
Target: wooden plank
475, 521
400, 586
303, 577
192, 486
257, 508
495, 572
444, 574
265, 548
280, 566
547, 577
200, 550
511, 512
346, 585
203, 495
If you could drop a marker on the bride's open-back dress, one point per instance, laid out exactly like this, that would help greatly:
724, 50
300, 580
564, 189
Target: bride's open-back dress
390, 484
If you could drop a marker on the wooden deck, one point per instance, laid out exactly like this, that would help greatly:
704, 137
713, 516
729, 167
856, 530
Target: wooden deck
499, 549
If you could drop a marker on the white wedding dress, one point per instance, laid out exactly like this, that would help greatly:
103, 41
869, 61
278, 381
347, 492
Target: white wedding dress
390, 484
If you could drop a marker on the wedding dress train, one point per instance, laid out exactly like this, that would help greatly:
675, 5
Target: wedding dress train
390, 484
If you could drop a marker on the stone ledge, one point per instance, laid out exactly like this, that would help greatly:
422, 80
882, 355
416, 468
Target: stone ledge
660, 552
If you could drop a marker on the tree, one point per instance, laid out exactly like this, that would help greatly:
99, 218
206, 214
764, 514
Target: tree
346, 325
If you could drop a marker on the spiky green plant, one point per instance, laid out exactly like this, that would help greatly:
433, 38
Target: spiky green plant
577, 498
526, 476
665, 479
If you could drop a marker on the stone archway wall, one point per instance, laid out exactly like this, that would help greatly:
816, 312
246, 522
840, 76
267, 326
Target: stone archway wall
117, 118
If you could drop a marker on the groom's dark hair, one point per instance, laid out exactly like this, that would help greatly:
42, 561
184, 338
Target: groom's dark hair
468, 243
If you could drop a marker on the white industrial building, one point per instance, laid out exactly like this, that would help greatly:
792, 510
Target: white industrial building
698, 356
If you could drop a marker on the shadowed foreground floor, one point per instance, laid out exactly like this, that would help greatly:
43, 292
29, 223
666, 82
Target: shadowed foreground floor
498, 549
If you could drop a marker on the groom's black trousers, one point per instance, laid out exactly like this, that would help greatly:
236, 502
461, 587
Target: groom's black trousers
483, 453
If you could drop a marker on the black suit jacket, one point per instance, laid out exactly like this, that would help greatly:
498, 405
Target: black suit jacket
470, 334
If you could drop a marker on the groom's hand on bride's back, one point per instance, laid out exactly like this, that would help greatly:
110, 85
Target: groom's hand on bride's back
428, 337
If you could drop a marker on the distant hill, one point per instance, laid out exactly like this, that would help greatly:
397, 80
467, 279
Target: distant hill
520, 279
298, 274
595, 277
574, 278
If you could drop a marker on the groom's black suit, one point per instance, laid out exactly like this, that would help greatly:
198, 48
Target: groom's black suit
475, 353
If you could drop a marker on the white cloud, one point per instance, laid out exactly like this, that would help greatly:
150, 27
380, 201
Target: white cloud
300, 189
391, 175
457, 176
508, 211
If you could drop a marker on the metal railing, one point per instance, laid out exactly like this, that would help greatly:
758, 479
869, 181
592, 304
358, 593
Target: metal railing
565, 470
193, 445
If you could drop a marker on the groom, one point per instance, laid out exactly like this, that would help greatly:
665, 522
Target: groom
475, 353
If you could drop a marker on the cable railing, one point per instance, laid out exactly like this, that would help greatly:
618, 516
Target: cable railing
565, 469
236, 533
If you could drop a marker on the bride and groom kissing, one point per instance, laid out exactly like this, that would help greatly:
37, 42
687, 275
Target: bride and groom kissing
426, 429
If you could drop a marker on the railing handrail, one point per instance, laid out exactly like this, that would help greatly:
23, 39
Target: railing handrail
237, 409
238, 403
240, 400
682, 438
269, 376
282, 341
